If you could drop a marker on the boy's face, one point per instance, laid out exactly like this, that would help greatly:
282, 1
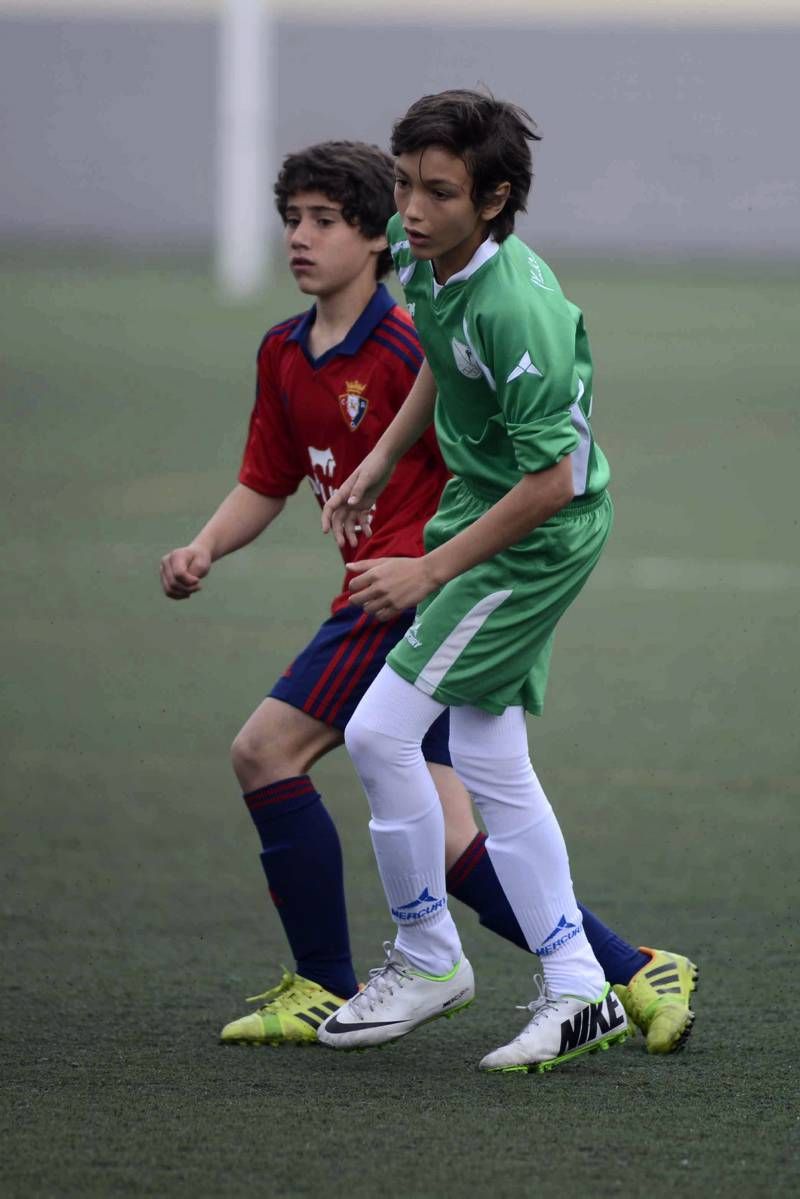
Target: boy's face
433, 193
326, 254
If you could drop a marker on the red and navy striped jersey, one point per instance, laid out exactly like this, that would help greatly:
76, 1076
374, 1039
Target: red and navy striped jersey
318, 418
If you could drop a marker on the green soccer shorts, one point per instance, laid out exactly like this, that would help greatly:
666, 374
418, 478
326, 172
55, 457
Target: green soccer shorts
485, 638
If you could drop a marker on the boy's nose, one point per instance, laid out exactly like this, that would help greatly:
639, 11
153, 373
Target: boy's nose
413, 211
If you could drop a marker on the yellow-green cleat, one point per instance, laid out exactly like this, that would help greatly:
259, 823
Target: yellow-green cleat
657, 999
290, 1014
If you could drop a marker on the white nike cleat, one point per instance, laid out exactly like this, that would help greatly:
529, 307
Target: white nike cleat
395, 1001
562, 1027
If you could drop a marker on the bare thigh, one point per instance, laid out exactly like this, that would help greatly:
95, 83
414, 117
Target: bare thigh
279, 742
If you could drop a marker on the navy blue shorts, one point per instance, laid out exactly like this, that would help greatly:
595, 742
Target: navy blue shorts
328, 678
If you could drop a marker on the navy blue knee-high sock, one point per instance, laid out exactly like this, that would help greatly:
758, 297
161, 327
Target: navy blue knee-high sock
472, 879
302, 859
618, 959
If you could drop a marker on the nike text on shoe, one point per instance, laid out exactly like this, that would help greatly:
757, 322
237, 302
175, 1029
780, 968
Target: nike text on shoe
562, 1027
395, 1001
290, 1013
657, 999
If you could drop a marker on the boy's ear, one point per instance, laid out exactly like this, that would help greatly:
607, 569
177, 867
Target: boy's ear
494, 206
378, 244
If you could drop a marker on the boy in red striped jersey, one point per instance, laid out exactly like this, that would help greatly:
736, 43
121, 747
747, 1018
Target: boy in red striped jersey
329, 382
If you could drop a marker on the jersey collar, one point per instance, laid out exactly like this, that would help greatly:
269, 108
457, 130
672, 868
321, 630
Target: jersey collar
486, 250
373, 314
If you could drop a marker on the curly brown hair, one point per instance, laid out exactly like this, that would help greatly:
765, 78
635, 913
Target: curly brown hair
358, 176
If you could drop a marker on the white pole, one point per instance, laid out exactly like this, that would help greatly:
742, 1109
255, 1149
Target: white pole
246, 86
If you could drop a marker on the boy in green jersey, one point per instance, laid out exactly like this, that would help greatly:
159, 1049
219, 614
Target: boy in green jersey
508, 381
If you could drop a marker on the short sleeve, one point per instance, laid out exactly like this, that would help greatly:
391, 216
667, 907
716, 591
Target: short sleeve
402, 378
531, 356
270, 464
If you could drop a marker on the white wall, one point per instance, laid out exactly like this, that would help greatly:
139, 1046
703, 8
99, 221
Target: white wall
663, 139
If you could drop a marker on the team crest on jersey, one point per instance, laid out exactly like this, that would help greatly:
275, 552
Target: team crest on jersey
353, 404
466, 361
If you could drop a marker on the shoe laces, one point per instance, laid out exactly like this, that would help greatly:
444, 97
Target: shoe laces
541, 1003
383, 980
289, 982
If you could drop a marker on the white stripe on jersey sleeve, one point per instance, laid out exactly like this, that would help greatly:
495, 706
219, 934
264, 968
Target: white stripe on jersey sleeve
580, 455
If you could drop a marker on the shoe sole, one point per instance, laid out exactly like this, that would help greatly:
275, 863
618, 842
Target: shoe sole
273, 1044
545, 1067
393, 1040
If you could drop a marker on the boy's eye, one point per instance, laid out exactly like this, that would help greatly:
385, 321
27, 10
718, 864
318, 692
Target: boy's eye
401, 183
441, 195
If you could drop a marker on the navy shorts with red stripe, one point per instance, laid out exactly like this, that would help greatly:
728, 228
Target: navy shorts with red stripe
328, 678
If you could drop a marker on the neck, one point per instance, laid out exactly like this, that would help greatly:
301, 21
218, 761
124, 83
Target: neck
338, 312
455, 260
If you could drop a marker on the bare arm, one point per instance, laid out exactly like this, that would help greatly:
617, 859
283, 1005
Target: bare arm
347, 511
241, 516
239, 519
414, 417
526, 506
385, 586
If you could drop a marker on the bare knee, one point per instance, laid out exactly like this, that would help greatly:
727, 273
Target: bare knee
252, 761
279, 742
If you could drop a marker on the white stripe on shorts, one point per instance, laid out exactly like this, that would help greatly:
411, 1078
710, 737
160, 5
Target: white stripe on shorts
454, 645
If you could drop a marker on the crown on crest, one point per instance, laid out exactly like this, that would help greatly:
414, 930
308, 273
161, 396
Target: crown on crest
353, 387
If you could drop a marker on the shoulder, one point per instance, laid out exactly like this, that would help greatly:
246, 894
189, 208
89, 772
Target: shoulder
520, 287
397, 337
277, 335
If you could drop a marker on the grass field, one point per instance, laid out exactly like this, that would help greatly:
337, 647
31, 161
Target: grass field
134, 914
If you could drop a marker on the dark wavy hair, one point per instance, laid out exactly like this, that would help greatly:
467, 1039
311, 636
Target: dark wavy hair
358, 176
490, 137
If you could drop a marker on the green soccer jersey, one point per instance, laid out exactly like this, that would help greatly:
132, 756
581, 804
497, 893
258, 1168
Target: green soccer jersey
512, 365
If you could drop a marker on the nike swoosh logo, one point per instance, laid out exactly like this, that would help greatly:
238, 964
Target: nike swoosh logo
335, 1025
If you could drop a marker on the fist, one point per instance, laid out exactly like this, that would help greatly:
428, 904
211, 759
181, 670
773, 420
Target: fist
182, 570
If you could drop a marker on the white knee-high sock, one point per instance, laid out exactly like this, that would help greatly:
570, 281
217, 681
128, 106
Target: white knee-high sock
525, 844
384, 739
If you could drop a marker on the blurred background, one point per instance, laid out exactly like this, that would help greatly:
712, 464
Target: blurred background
138, 144
669, 128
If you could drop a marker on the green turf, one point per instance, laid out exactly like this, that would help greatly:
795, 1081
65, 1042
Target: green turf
134, 914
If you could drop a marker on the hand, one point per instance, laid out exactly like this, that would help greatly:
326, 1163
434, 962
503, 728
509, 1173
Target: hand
347, 512
182, 570
385, 587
